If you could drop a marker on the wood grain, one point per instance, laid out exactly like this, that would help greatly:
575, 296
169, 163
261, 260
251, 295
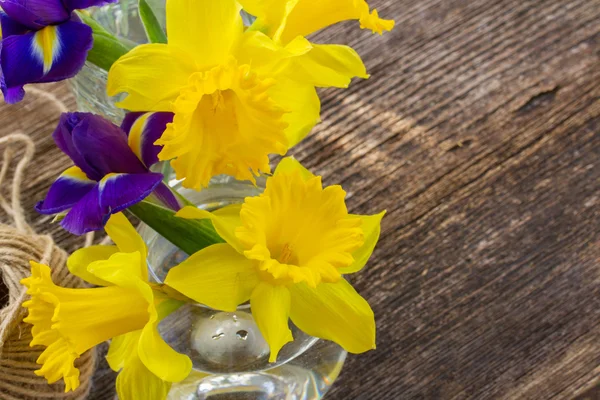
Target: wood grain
479, 132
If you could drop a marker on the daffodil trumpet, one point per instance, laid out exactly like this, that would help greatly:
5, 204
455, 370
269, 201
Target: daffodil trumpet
286, 252
125, 307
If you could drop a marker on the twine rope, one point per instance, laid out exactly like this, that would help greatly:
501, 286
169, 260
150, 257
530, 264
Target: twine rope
18, 245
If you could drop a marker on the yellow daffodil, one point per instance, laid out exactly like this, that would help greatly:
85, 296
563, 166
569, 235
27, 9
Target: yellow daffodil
284, 20
238, 95
286, 252
69, 322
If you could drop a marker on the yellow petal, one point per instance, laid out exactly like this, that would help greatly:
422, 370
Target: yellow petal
328, 65
121, 349
334, 311
136, 381
152, 75
79, 261
303, 105
123, 269
271, 310
371, 226
289, 165
309, 16
127, 239
225, 220
217, 276
160, 358
206, 29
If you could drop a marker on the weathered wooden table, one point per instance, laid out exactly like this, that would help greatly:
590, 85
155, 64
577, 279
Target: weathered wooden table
479, 132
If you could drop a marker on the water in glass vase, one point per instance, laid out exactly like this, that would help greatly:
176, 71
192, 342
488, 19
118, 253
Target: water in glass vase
229, 355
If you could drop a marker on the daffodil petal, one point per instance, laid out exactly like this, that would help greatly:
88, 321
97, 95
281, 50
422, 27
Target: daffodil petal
217, 276
336, 312
79, 261
327, 65
136, 381
225, 220
123, 269
160, 358
290, 165
127, 239
303, 106
152, 75
371, 226
271, 310
309, 16
206, 29
122, 348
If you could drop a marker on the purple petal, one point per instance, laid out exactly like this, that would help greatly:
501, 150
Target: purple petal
86, 215
10, 26
70, 187
119, 191
76, 41
144, 131
167, 198
129, 120
72, 5
36, 14
49, 55
63, 137
103, 146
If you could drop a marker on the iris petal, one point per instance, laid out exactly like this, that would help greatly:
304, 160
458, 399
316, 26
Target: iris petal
75, 40
63, 138
146, 129
103, 146
70, 187
51, 54
119, 191
334, 311
36, 14
10, 26
206, 29
86, 215
73, 5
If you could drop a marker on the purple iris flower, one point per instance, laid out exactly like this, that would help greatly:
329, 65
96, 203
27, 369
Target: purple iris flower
112, 168
42, 41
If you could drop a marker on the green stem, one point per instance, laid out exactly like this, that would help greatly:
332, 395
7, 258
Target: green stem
107, 47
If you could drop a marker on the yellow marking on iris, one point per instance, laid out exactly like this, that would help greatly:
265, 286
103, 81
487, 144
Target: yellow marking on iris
135, 135
75, 173
47, 46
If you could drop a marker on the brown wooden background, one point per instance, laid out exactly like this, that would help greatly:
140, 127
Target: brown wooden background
479, 132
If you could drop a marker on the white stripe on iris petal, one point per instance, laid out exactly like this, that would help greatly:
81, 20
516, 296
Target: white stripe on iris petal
46, 46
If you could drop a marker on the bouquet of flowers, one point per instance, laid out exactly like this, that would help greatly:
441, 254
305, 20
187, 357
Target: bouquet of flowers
209, 96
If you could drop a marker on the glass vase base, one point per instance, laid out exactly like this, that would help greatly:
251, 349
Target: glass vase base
307, 377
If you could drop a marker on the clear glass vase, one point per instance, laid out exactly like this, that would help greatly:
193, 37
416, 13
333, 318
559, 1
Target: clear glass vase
229, 355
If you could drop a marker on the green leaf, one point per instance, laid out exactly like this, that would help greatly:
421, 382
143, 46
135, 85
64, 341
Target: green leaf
107, 47
187, 234
153, 29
